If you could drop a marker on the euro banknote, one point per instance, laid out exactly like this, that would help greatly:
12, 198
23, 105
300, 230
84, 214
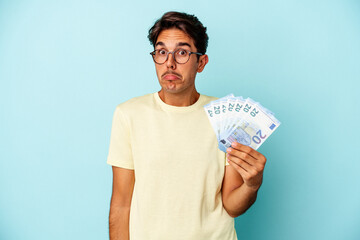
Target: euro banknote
243, 120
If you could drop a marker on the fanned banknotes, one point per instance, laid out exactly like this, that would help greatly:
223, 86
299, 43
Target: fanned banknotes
242, 120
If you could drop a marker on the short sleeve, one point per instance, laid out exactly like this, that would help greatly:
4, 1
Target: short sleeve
120, 152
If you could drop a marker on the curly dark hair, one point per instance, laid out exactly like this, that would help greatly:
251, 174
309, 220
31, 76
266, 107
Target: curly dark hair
187, 23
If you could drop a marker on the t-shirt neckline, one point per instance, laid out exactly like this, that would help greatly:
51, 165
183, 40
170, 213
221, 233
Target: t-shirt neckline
172, 108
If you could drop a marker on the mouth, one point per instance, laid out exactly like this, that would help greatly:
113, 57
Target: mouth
171, 76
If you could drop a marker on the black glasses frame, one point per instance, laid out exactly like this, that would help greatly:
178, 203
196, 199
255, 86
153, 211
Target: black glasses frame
173, 55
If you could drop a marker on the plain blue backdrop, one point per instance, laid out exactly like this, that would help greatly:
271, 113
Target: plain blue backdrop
65, 65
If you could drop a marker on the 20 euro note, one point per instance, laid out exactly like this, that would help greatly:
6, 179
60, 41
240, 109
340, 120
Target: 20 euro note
251, 128
241, 120
215, 112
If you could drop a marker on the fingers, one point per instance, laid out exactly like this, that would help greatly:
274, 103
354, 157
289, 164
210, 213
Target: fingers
247, 158
251, 176
248, 162
239, 162
251, 168
248, 150
241, 158
237, 167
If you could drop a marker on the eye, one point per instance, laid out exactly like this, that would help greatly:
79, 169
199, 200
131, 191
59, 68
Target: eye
181, 52
161, 52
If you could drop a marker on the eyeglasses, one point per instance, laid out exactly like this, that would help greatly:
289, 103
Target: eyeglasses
180, 55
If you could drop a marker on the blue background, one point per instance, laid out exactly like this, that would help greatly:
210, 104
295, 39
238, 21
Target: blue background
65, 65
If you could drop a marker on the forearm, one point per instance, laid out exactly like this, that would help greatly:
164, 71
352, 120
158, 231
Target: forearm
240, 200
119, 223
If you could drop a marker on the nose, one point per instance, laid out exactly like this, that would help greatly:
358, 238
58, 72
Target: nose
170, 62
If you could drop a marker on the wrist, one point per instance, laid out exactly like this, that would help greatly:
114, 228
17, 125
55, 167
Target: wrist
251, 189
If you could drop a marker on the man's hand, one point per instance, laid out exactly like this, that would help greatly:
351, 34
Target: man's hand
248, 162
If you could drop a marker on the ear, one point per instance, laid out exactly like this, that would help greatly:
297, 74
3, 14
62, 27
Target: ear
203, 60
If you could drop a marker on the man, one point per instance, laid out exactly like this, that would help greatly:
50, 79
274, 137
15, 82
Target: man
170, 180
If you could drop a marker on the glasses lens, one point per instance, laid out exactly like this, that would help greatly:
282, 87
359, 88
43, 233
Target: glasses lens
181, 56
160, 56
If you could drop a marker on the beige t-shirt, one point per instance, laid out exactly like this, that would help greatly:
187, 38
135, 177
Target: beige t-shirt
178, 170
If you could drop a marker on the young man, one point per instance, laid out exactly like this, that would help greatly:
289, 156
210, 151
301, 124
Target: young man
170, 180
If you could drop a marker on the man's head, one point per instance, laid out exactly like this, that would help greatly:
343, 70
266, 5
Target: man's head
187, 23
184, 34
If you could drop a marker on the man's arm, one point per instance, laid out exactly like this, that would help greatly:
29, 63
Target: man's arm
243, 178
123, 186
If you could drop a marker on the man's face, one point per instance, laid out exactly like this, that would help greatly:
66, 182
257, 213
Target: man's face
174, 77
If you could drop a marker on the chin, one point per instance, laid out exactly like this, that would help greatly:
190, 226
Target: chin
171, 87
172, 90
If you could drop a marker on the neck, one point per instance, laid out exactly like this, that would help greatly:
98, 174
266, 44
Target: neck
182, 99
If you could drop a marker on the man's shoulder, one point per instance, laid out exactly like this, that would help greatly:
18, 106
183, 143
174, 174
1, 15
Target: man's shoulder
138, 100
208, 99
135, 102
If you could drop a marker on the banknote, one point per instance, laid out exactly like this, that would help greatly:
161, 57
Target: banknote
243, 120
214, 111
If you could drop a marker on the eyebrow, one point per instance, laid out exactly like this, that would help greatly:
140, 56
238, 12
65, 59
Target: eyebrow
183, 44
177, 45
